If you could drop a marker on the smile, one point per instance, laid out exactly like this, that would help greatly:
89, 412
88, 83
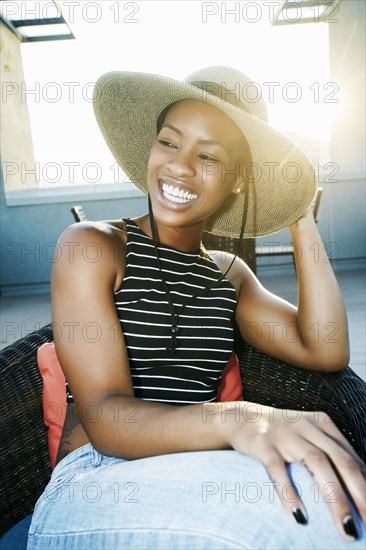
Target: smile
175, 194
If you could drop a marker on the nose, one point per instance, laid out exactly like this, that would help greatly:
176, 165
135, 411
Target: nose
182, 165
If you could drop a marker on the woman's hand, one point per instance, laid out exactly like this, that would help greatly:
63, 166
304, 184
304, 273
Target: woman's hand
275, 438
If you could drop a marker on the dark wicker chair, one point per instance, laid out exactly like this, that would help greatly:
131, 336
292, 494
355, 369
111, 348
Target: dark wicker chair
78, 213
25, 468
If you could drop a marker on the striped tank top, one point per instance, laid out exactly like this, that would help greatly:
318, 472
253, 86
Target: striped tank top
205, 339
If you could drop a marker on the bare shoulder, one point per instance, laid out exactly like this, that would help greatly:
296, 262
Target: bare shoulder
239, 273
105, 230
88, 248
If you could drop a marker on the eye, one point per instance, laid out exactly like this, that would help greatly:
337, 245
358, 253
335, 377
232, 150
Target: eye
206, 157
167, 143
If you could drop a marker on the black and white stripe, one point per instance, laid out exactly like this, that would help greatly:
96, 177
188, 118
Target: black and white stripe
205, 338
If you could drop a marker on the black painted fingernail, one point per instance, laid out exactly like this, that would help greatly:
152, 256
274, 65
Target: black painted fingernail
299, 516
349, 527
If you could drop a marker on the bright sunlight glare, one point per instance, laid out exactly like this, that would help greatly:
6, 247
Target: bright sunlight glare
174, 38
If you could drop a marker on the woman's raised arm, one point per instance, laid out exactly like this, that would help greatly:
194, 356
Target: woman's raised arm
315, 334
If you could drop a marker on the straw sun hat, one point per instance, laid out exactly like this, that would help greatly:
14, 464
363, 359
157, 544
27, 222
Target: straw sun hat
281, 179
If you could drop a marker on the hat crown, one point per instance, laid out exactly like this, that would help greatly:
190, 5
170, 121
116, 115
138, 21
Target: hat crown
232, 86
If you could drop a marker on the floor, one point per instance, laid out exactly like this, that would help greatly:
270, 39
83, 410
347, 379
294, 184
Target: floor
22, 315
353, 287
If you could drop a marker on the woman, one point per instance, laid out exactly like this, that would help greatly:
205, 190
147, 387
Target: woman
149, 459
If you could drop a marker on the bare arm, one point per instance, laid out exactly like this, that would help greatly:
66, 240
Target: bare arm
93, 356
315, 334
322, 318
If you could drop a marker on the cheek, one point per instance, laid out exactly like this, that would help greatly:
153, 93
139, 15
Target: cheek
222, 179
230, 174
153, 159
158, 156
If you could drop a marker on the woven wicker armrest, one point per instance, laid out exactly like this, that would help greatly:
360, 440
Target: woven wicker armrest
24, 460
342, 394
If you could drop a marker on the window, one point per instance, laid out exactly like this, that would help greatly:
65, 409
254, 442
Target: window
289, 63
306, 11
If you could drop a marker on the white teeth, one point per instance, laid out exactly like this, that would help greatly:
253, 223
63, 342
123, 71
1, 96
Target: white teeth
175, 194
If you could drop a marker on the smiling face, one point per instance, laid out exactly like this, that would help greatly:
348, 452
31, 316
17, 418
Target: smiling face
194, 164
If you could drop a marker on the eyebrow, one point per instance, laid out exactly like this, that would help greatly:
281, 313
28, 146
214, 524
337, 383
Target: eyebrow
201, 141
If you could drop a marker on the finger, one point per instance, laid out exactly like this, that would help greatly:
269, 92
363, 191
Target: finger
348, 472
345, 464
326, 424
331, 489
289, 497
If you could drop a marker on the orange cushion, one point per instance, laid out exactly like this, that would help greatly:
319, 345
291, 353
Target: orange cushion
231, 387
54, 396
54, 392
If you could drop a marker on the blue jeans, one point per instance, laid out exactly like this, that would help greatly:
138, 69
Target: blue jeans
205, 500
16, 538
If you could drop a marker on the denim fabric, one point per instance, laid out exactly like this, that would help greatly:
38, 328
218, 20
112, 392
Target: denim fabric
195, 500
16, 538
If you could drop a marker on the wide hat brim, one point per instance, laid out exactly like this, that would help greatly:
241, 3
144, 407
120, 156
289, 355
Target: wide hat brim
282, 185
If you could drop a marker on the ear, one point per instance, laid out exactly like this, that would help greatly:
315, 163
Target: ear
238, 186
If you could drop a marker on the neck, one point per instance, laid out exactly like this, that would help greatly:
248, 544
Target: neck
186, 239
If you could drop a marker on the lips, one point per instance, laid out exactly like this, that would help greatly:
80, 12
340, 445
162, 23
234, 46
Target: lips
176, 193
